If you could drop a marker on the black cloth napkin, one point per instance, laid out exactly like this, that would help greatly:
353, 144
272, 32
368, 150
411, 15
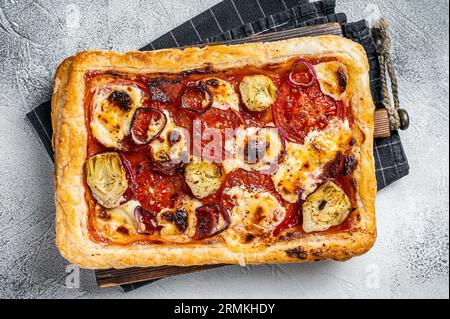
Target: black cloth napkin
232, 19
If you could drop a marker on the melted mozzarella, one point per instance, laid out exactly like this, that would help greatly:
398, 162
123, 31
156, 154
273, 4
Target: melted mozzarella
170, 231
119, 220
177, 150
332, 78
301, 170
109, 123
235, 150
224, 96
255, 215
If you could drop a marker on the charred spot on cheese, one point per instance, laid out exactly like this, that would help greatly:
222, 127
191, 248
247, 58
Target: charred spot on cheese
258, 92
341, 165
106, 178
179, 217
332, 78
123, 230
333, 167
122, 99
224, 95
113, 107
342, 79
178, 224
328, 206
203, 178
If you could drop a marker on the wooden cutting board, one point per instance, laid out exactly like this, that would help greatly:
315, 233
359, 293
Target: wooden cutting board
116, 277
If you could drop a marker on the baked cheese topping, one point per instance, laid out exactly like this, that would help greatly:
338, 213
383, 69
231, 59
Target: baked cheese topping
172, 144
267, 149
224, 95
332, 79
172, 231
119, 223
255, 214
300, 171
110, 122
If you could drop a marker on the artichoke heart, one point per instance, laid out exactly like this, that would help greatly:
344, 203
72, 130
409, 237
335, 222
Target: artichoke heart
258, 92
328, 206
106, 178
204, 178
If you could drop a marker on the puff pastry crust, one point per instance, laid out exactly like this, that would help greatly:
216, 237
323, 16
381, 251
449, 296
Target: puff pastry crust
70, 146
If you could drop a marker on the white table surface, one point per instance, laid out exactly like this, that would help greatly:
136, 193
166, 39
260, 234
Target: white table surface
411, 255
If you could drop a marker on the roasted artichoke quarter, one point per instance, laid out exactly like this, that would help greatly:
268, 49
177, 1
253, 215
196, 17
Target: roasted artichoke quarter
328, 206
106, 178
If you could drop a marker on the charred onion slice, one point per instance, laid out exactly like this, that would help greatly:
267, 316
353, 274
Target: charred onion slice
212, 219
302, 74
147, 223
107, 178
147, 124
196, 97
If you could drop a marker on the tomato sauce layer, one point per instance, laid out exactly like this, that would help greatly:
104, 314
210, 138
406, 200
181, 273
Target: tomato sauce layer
295, 112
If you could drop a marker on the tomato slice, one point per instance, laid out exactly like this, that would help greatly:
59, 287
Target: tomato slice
156, 191
299, 110
220, 119
196, 98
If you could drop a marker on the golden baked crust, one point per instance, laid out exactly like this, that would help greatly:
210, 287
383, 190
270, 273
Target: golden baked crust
70, 146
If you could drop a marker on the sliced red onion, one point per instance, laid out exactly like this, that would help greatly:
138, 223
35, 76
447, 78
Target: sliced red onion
131, 191
147, 124
196, 97
147, 223
303, 65
212, 219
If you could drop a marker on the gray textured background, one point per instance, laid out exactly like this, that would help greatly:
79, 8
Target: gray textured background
410, 258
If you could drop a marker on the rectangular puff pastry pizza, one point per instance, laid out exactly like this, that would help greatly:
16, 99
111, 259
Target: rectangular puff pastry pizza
245, 154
